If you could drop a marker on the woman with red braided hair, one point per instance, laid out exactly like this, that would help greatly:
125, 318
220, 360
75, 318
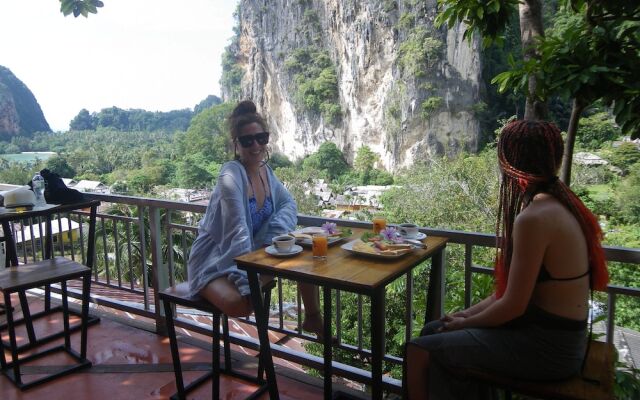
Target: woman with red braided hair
549, 257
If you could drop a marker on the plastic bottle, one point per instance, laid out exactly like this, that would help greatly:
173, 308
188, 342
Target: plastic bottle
38, 189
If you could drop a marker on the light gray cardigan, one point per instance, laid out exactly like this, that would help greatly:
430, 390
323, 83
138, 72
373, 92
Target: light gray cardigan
225, 231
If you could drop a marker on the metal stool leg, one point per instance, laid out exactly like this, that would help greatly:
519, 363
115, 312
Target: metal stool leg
215, 357
227, 346
175, 355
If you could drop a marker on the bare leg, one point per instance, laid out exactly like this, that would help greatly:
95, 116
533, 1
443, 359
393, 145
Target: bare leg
312, 317
224, 295
416, 373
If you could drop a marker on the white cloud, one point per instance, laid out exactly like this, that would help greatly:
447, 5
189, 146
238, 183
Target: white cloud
156, 55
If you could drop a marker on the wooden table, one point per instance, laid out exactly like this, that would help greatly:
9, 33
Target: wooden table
348, 272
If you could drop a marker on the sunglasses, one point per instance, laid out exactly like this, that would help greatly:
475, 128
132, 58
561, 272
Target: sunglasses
247, 140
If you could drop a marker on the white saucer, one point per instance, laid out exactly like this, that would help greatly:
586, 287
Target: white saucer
294, 250
419, 236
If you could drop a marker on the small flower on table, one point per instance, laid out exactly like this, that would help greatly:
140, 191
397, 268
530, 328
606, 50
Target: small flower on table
330, 228
391, 234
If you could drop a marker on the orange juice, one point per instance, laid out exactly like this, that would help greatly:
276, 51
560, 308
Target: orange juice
379, 223
319, 245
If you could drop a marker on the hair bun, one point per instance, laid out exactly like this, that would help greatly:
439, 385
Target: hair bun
244, 107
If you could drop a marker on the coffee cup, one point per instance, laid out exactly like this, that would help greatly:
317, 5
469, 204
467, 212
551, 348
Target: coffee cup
284, 243
409, 230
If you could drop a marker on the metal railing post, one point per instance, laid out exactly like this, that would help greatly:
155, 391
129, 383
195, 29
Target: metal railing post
160, 270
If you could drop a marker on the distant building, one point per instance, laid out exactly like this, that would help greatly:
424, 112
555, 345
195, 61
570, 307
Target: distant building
92, 187
63, 228
627, 139
584, 158
68, 182
186, 195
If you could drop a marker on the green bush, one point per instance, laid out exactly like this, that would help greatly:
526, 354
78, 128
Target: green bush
625, 155
429, 106
595, 130
316, 81
419, 52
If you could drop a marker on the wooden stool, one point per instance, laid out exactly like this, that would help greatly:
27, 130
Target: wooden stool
595, 383
17, 279
179, 295
56, 270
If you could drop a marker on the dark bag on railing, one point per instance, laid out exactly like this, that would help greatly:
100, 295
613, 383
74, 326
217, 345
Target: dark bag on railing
56, 192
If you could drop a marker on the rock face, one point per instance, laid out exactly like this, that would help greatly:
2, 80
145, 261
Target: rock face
402, 87
20, 113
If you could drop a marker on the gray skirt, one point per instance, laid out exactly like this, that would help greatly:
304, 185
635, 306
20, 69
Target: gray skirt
525, 351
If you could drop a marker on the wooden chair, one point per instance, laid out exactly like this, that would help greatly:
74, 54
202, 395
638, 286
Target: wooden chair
179, 295
18, 279
595, 382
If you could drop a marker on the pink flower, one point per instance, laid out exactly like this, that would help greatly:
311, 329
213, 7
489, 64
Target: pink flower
330, 227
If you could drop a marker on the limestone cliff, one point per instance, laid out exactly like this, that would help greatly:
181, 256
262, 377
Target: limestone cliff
354, 72
20, 113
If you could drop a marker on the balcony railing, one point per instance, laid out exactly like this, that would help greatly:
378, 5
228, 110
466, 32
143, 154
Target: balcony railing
143, 245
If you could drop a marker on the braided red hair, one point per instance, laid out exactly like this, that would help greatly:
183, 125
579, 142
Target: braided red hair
530, 154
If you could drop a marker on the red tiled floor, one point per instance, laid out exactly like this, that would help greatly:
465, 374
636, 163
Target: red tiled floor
131, 363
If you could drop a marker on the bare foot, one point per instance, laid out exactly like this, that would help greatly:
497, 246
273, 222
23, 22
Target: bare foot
313, 323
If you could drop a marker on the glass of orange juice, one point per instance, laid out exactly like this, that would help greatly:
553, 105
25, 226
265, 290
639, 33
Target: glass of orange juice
379, 223
319, 245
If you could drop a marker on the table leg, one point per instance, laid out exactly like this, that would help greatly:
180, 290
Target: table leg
10, 245
435, 292
327, 353
262, 321
377, 342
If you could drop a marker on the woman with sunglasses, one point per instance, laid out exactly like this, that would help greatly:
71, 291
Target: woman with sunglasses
248, 207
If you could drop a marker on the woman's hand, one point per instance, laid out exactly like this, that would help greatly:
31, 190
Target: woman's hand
452, 323
461, 314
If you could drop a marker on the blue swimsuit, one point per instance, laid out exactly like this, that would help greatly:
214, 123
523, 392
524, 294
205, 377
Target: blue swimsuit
258, 217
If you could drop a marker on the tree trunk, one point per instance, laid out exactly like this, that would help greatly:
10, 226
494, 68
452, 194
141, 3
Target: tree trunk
567, 157
530, 29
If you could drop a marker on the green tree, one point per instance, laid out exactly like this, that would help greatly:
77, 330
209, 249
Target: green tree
279, 160
15, 173
299, 182
60, 166
84, 121
589, 54
80, 7
365, 159
209, 102
625, 155
193, 174
328, 159
628, 196
207, 135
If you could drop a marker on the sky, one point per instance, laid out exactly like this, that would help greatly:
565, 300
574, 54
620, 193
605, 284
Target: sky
156, 55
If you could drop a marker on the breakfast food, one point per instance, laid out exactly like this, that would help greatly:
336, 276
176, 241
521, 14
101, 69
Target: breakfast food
300, 236
330, 229
380, 248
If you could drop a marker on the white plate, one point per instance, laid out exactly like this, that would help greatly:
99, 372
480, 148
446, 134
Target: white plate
349, 247
294, 250
310, 230
330, 241
419, 236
